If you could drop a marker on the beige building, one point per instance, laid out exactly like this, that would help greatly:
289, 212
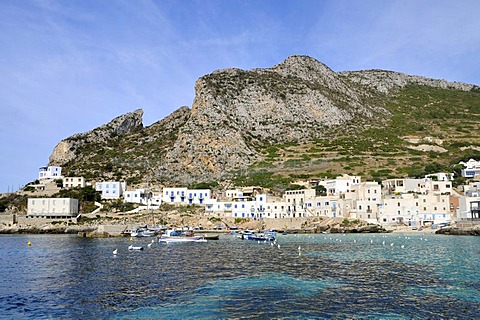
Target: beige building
52, 208
74, 182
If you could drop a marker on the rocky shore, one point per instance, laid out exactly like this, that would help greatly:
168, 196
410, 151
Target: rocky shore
469, 231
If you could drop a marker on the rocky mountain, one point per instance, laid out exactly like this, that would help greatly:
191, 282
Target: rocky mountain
298, 117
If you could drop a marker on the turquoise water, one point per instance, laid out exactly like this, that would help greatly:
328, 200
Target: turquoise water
392, 276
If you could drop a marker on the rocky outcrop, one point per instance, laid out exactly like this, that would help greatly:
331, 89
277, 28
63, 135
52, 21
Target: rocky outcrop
472, 231
385, 81
236, 111
66, 150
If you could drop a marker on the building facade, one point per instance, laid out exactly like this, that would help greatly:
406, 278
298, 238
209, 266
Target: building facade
51, 208
50, 172
471, 168
74, 182
110, 189
185, 196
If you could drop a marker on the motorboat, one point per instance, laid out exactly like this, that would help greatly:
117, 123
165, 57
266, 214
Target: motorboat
258, 236
132, 247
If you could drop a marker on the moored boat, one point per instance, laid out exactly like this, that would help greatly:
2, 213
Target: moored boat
181, 239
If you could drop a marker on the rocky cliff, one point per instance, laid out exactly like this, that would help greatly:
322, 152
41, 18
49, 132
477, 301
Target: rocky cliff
68, 149
235, 112
244, 118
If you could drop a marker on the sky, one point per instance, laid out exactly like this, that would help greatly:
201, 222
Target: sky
70, 66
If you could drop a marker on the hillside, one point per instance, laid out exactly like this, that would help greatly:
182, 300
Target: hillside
296, 119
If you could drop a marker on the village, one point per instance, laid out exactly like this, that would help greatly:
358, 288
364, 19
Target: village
429, 202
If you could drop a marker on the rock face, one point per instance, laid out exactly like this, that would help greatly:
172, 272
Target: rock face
386, 81
66, 149
236, 111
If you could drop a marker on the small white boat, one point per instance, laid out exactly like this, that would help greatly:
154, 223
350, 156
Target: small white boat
143, 232
131, 247
181, 239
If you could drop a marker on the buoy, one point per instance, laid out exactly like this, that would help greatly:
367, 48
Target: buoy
29, 243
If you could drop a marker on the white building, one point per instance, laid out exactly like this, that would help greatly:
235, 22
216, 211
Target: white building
423, 186
185, 196
415, 209
140, 196
471, 168
330, 206
111, 189
51, 208
341, 184
50, 172
366, 198
295, 202
402, 185
469, 205
259, 207
74, 182
441, 176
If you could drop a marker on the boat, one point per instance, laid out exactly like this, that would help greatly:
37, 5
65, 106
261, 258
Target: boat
211, 236
132, 247
172, 236
259, 236
181, 239
143, 232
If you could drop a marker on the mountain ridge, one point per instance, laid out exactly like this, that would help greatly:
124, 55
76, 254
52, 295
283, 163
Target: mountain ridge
242, 118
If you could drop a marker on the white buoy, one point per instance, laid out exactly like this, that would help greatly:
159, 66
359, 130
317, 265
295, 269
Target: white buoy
403, 246
383, 242
391, 244
115, 251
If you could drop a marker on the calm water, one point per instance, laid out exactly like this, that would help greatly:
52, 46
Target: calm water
336, 276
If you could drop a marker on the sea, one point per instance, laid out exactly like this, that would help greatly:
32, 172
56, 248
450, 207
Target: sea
316, 276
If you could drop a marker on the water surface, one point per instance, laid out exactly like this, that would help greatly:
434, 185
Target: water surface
358, 276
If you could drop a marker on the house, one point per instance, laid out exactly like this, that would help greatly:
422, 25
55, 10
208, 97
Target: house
74, 182
50, 172
414, 209
341, 184
440, 176
366, 198
295, 202
52, 208
185, 196
140, 196
111, 189
469, 204
471, 168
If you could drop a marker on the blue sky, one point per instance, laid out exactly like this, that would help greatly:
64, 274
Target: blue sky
71, 66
